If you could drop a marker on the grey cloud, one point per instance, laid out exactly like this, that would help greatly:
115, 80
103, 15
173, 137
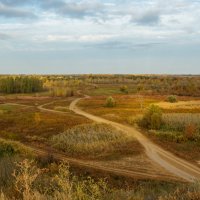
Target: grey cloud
151, 17
14, 2
72, 9
4, 36
9, 12
124, 45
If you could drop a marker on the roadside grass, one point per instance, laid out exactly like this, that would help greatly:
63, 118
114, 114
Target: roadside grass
180, 133
127, 107
96, 141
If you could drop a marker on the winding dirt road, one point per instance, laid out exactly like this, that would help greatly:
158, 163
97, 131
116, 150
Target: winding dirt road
167, 160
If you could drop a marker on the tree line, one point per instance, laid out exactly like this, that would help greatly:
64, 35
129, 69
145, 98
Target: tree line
21, 84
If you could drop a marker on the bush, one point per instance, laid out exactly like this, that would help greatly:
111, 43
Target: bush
152, 118
10, 148
110, 102
124, 89
172, 99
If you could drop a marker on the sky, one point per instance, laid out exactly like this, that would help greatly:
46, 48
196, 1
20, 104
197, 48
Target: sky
93, 36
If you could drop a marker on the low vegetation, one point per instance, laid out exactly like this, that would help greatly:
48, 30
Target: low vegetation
152, 118
124, 89
172, 99
55, 182
10, 148
94, 140
22, 123
110, 102
179, 131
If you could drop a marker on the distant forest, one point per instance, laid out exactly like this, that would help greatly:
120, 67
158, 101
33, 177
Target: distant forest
21, 84
181, 85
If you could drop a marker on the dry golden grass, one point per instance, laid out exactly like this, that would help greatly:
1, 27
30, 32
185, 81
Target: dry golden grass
95, 141
19, 122
127, 106
189, 106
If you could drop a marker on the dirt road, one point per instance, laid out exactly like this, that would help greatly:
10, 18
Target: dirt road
167, 160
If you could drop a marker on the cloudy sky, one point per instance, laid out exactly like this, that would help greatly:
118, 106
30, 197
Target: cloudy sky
93, 36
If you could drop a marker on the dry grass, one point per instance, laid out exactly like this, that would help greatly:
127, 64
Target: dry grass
181, 106
180, 133
178, 121
57, 183
19, 122
95, 140
127, 106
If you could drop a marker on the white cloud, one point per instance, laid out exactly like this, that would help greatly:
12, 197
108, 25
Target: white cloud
82, 38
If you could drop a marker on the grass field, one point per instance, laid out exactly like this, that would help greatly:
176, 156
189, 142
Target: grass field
127, 106
96, 141
190, 106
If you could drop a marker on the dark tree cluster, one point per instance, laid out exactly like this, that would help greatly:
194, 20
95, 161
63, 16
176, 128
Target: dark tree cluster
20, 84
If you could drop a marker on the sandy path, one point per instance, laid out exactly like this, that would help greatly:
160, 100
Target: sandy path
167, 160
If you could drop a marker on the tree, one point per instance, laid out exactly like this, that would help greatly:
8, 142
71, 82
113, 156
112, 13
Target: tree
20, 84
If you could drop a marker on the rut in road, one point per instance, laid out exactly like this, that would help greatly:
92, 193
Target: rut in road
167, 160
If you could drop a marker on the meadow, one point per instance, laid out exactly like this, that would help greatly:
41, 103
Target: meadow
96, 141
26, 175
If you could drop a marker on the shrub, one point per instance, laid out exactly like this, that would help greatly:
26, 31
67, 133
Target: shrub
11, 148
110, 102
152, 118
124, 89
172, 99
62, 185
